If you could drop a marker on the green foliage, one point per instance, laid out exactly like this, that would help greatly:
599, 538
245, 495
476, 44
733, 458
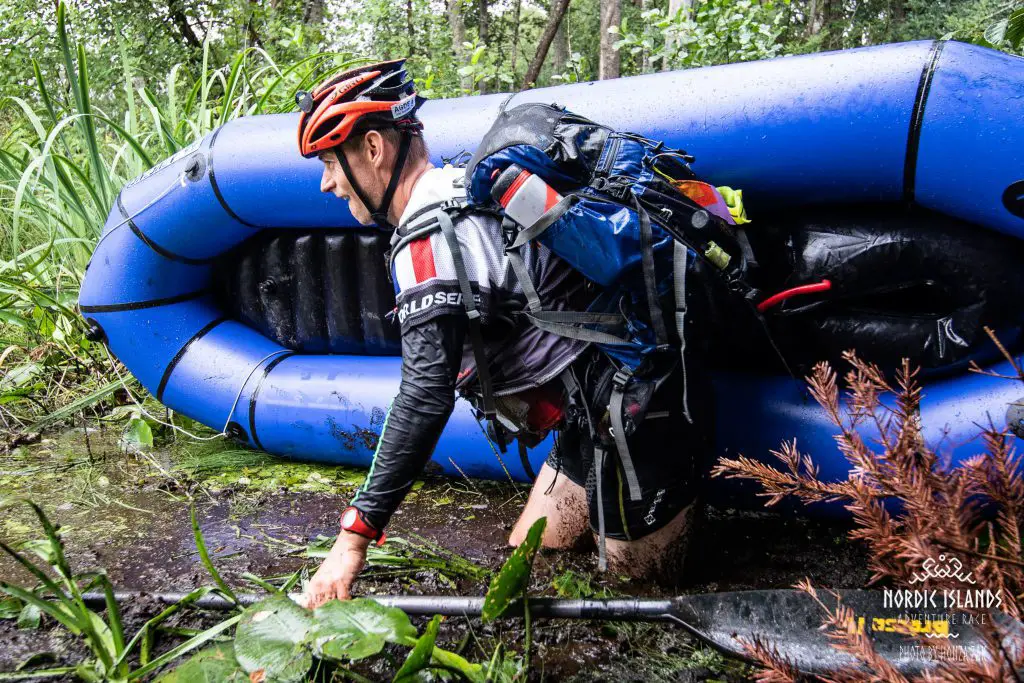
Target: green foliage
216, 664
271, 640
717, 32
513, 578
419, 656
61, 599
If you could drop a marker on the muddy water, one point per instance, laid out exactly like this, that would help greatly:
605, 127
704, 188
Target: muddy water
129, 513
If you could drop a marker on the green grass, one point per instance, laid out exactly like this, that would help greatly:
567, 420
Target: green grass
63, 159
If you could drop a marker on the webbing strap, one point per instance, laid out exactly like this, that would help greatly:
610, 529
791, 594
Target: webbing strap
524, 458
515, 258
619, 433
602, 556
475, 336
679, 256
572, 331
650, 276
380, 215
545, 221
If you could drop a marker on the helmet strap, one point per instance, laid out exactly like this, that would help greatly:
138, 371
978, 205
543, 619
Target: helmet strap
380, 213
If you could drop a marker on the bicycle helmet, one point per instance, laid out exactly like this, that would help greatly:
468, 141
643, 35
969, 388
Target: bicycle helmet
369, 97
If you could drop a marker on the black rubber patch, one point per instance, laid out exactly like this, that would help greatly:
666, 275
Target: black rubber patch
138, 305
916, 119
216, 188
181, 353
1013, 199
236, 431
95, 332
255, 394
153, 245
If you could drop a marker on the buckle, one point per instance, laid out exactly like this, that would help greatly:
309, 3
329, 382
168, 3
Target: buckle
622, 377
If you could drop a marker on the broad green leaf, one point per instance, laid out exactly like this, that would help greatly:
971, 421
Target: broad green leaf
137, 434
514, 576
995, 33
215, 664
1015, 28
29, 617
271, 639
10, 608
419, 657
354, 629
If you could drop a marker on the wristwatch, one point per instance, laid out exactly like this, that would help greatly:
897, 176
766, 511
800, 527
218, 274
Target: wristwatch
352, 520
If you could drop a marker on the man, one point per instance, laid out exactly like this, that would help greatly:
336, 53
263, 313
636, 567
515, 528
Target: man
362, 125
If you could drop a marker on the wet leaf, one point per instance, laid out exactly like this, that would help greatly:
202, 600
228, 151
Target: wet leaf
137, 434
37, 660
10, 608
272, 638
29, 617
419, 658
355, 629
514, 576
212, 665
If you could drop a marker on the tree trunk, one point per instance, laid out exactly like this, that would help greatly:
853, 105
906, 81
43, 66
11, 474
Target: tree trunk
645, 54
313, 14
483, 20
674, 7
832, 9
560, 47
814, 17
483, 28
515, 38
410, 30
557, 13
608, 64
458, 25
181, 21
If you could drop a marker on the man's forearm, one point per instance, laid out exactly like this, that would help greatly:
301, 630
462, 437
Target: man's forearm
431, 355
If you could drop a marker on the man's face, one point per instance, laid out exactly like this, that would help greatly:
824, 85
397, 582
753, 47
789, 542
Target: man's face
361, 160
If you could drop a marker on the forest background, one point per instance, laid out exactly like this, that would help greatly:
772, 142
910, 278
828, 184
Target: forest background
92, 93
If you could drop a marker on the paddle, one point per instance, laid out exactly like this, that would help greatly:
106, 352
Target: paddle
788, 620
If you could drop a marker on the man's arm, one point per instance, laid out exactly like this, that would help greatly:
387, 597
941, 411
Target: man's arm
431, 357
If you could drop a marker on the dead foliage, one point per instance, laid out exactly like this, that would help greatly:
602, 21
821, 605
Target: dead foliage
974, 510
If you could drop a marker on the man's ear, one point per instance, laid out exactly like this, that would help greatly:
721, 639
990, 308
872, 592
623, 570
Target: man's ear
373, 148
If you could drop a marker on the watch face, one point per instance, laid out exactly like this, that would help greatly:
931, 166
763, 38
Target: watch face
349, 518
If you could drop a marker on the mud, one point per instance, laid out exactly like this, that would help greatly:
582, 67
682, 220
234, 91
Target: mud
129, 514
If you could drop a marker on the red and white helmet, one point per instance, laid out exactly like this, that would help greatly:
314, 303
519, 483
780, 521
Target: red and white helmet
372, 96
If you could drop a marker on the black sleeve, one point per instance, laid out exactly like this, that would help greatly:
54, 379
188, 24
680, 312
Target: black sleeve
431, 357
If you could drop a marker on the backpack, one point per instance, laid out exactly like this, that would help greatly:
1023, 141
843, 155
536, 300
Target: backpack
625, 211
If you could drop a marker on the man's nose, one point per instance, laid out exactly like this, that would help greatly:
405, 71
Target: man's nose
326, 185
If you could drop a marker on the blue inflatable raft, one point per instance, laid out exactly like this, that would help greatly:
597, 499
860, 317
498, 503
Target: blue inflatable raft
934, 124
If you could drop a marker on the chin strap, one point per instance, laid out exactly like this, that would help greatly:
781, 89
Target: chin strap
379, 214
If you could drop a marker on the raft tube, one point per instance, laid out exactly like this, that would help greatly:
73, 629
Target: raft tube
938, 124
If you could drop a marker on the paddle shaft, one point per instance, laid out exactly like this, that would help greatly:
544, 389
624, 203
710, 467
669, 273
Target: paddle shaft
613, 609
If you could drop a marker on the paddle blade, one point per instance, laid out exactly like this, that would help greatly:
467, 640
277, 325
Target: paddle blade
790, 621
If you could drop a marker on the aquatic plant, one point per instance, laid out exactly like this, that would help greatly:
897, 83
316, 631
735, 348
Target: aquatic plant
278, 640
974, 512
114, 658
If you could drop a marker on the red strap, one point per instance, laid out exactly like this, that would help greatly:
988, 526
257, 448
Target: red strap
352, 520
776, 299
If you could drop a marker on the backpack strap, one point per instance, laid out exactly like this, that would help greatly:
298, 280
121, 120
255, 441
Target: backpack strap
650, 276
619, 382
439, 217
679, 265
562, 323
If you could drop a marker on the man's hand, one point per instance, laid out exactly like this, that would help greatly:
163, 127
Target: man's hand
336, 575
